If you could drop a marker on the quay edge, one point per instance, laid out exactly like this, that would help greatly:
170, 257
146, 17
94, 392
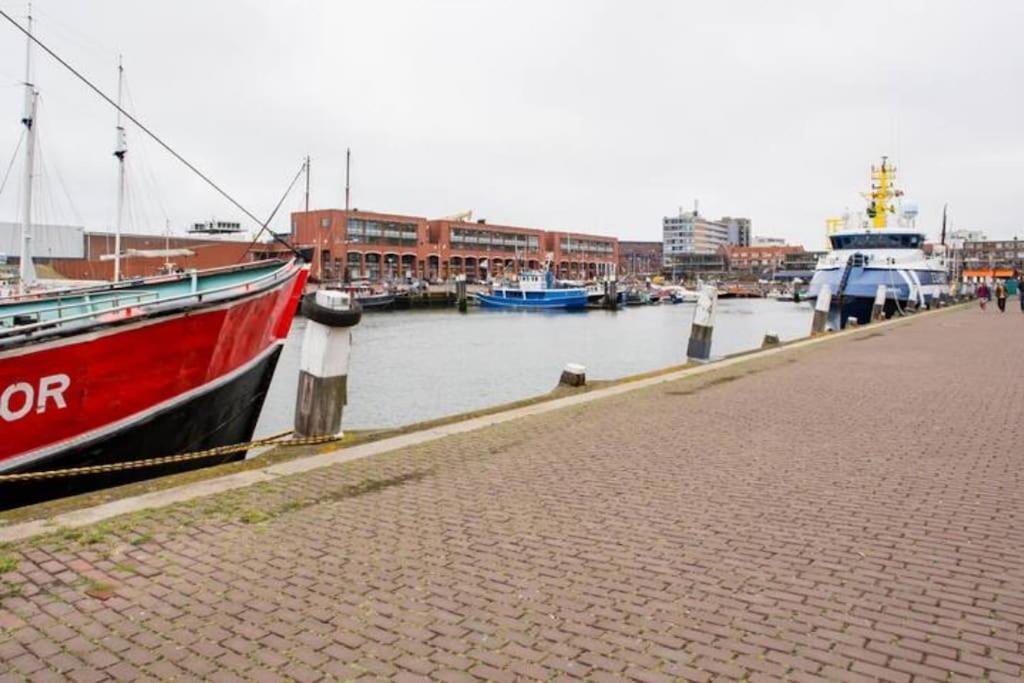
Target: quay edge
23, 525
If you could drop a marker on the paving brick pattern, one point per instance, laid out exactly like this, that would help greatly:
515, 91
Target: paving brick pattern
850, 512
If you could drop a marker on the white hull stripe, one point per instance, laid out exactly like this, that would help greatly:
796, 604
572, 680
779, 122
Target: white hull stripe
18, 461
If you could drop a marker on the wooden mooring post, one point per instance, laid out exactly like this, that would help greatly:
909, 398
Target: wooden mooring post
699, 347
323, 366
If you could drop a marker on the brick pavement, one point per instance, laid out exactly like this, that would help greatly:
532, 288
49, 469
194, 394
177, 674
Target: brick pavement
848, 512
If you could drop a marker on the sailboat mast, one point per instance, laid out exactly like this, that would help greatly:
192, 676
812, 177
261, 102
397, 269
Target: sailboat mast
348, 163
943, 240
27, 271
120, 151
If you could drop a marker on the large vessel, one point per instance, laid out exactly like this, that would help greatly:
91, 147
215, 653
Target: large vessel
534, 290
139, 369
885, 249
132, 370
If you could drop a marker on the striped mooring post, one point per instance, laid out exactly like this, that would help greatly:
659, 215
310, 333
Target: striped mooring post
323, 366
699, 348
460, 292
878, 308
821, 307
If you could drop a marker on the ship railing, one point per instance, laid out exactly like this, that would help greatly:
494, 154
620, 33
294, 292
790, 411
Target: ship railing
90, 304
121, 309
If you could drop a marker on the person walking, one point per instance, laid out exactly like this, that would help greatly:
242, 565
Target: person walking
1020, 291
1001, 295
982, 293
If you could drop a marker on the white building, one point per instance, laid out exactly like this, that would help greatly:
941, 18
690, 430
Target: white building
691, 233
48, 241
739, 230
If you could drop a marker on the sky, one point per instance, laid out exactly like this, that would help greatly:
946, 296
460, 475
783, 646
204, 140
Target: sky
580, 115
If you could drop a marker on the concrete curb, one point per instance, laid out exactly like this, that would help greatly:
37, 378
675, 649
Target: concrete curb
191, 491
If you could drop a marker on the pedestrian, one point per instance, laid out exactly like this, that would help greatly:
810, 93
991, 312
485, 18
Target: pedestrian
1001, 296
982, 293
1020, 291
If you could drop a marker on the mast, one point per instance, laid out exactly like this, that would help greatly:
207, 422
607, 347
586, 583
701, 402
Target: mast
348, 163
120, 151
943, 240
317, 258
27, 271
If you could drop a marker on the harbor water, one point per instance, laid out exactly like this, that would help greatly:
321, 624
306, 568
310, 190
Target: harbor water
409, 366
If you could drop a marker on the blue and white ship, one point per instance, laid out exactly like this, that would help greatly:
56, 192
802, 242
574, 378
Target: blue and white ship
876, 253
534, 290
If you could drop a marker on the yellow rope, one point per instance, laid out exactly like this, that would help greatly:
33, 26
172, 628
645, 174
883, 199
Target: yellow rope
183, 457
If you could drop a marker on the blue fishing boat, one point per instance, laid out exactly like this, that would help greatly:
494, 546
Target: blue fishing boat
534, 290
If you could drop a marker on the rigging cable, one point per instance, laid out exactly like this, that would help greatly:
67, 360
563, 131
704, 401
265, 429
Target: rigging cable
302, 169
7, 173
151, 134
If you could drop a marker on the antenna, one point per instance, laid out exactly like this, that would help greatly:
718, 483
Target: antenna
120, 151
348, 161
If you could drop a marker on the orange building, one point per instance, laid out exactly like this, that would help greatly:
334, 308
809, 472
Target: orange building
354, 245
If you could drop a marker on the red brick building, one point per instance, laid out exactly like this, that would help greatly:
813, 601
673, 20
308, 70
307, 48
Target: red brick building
758, 259
354, 245
98, 263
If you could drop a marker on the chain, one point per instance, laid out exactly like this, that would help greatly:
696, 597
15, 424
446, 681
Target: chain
280, 440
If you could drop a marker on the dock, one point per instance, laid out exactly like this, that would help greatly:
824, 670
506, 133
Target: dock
842, 509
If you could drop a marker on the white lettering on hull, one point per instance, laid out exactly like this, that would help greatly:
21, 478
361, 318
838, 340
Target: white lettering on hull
18, 399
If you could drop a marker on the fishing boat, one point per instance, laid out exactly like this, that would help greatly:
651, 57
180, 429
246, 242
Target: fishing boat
139, 369
131, 370
534, 290
886, 250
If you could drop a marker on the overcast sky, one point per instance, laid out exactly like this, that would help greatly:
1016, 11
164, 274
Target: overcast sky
585, 115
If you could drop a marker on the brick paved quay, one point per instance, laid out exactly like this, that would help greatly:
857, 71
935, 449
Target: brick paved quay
849, 511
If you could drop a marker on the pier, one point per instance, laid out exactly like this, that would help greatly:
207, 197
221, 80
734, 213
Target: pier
845, 508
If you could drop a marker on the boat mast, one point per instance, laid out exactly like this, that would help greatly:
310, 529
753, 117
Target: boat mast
317, 258
120, 151
348, 162
27, 271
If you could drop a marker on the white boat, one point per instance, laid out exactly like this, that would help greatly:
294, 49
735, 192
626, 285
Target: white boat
876, 254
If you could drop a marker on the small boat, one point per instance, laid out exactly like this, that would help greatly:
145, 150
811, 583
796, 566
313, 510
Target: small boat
380, 301
534, 290
679, 294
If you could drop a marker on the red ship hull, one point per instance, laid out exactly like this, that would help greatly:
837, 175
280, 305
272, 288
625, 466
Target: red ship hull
136, 387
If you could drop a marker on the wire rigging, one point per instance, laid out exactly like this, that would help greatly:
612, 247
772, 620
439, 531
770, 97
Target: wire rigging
302, 169
10, 165
209, 181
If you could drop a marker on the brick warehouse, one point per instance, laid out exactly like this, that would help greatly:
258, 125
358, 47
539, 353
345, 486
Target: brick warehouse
352, 245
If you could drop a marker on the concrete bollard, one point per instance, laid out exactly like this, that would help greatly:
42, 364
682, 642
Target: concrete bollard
878, 309
460, 293
699, 348
323, 367
821, 307
770, 339
574, 375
